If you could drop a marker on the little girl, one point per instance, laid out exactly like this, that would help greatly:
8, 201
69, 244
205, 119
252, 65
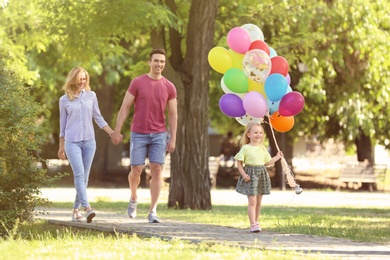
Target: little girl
254, 180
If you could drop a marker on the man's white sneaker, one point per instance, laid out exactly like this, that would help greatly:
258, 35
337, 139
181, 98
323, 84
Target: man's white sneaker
152, 217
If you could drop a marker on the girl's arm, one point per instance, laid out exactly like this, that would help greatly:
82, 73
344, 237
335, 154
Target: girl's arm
240, 168
277, 157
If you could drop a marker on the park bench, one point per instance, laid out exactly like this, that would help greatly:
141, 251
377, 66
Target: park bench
357, 175
166, 170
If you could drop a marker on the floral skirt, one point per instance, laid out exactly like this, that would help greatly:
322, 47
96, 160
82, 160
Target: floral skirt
260, 183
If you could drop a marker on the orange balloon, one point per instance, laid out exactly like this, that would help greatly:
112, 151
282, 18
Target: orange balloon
281, 123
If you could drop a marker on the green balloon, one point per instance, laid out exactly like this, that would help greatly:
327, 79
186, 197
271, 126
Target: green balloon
236, 80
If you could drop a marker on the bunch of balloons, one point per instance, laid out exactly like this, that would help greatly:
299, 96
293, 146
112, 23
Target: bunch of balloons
255, 80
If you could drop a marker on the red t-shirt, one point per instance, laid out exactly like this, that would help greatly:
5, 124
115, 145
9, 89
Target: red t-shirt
151, 99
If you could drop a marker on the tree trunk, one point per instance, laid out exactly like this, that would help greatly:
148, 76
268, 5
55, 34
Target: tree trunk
105, 97
364, 148
190, 181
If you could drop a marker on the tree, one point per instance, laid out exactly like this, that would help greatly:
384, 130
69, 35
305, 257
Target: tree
190, 185
85, 29
347, 80
21, 136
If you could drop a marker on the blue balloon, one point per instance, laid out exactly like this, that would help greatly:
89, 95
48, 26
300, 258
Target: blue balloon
272, 52
272, 106
275, 87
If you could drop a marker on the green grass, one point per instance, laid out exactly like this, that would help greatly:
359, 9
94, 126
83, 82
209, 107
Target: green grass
357, 224
43, 241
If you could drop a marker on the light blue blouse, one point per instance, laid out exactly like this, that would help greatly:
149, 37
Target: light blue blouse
76, 117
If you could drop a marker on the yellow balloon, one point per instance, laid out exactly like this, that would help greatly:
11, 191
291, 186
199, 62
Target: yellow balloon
256, 86
236, 59
219, 59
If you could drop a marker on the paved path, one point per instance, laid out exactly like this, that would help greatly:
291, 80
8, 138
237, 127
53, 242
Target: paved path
170, 229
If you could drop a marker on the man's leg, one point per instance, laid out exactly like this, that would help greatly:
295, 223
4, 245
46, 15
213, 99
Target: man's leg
134, 180
138, 145
155, 185
156, 151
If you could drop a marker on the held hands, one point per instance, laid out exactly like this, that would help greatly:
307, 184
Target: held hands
116, 138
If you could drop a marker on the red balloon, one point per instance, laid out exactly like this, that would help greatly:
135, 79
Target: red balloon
261, 45
279, 65
291, 104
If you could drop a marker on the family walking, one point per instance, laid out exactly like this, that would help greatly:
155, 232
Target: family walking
151, 95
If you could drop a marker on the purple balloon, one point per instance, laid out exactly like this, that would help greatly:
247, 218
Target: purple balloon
231, 105
291, 104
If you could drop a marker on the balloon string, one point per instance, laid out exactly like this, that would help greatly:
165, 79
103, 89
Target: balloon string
273, 134
285, 167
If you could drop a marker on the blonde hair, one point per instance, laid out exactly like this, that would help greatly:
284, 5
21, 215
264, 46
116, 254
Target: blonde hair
72, 81
245, 139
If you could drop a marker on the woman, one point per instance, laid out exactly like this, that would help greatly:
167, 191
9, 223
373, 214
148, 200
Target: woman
77, 137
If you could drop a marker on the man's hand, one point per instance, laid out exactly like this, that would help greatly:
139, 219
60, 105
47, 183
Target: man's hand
171, 146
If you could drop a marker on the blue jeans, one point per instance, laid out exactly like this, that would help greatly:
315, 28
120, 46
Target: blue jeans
153, 146
80, 156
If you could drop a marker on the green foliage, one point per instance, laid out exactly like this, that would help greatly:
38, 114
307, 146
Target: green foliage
344, 48
21, 136
346, 85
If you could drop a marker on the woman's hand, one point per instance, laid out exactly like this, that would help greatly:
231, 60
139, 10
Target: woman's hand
61, 154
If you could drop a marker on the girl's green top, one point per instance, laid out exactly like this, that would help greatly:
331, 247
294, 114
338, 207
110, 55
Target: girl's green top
253, 155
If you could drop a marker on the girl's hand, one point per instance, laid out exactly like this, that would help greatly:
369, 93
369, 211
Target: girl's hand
280, 154
246, 177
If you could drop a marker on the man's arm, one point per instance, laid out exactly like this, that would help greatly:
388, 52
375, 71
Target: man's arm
172, 119
128, 100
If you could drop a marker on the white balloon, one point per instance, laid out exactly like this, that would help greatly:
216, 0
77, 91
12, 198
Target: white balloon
244, 120
256, 65
254, 31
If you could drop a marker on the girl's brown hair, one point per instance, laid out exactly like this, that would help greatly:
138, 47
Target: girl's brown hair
72, 81
245, 139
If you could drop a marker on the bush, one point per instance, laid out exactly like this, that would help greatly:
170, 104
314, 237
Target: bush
20, 138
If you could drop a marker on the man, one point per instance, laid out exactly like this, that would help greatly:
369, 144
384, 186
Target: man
151, 94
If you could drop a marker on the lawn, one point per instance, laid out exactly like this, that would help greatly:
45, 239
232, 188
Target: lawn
357, 224
41, 240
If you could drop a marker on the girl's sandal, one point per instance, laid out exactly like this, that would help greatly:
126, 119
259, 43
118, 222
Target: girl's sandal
255, 228
77, 217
